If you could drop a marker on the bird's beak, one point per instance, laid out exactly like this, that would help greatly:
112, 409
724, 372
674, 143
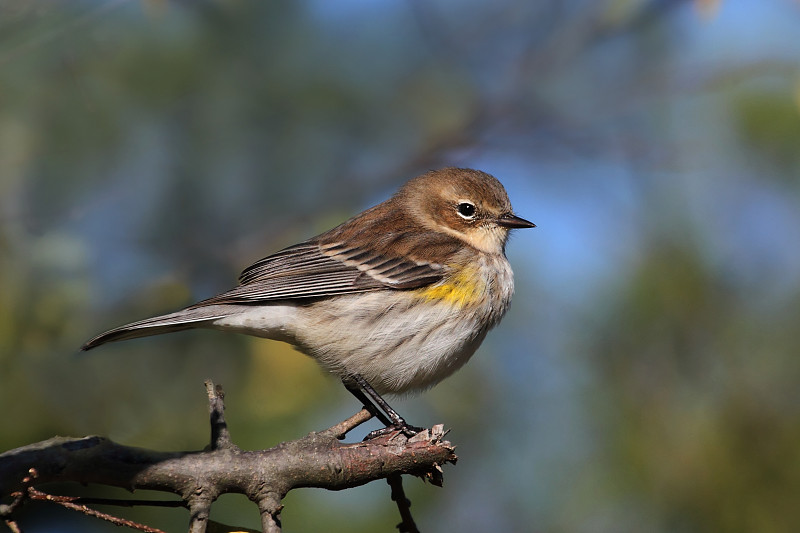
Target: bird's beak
512, 221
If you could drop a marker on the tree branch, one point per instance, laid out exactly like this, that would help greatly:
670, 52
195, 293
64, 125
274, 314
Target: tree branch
319, 459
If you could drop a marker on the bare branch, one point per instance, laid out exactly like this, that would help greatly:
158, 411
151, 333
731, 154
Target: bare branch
407, 524
317, 460
220, 436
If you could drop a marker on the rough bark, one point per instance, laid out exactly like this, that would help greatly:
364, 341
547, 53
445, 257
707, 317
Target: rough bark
319, 459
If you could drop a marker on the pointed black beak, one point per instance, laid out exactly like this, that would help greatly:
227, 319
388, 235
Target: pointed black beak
512, 221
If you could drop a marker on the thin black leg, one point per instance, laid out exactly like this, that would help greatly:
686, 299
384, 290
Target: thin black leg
368, 405
394, 422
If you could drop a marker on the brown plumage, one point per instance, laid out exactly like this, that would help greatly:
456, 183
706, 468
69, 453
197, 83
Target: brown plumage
400, 295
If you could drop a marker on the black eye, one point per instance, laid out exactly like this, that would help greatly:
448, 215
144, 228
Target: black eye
466, 210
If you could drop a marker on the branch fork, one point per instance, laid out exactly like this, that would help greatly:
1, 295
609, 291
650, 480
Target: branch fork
319, 459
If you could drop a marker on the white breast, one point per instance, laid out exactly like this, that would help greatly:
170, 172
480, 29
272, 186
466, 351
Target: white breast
399, 343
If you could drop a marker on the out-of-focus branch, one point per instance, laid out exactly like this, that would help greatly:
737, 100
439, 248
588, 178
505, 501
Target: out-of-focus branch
319, 459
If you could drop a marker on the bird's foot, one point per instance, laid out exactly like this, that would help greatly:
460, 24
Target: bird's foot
400, 426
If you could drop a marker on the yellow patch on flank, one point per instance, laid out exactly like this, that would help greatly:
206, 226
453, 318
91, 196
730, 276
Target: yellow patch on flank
464, 288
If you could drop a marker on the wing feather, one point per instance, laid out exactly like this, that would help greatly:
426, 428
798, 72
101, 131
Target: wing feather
310, 270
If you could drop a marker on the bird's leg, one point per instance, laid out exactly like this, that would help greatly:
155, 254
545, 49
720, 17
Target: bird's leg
368, 405
394, 421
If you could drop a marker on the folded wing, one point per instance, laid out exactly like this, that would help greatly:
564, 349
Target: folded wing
313, 270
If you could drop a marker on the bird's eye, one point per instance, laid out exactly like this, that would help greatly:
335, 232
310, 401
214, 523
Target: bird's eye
466, 210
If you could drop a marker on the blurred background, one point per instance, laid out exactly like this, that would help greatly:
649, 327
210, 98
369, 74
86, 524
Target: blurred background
647, 376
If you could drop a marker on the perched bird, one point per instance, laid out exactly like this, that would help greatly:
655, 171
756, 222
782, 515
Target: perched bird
393, 300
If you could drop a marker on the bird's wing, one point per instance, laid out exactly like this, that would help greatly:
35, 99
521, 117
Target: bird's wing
312, 269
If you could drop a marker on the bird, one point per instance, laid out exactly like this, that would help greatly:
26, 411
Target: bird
392, 301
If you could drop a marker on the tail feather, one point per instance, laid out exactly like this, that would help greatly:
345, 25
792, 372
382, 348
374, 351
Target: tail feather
178, 321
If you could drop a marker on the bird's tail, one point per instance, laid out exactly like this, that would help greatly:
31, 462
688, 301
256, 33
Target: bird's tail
185, 319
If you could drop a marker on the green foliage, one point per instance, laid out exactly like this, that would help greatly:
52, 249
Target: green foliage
769, 121
698, 419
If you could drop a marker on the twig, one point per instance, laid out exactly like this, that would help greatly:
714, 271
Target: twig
220, 436
200, 509
407, 524
341, 429
69, 502
269, 505
320, 459
129, 503
19, 499
13, 526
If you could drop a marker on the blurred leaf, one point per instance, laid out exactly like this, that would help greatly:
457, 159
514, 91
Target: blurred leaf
769, 121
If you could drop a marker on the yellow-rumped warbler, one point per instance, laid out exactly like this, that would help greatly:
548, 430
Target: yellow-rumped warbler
393, 300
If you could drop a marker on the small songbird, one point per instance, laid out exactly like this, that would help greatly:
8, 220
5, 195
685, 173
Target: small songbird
393, 300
